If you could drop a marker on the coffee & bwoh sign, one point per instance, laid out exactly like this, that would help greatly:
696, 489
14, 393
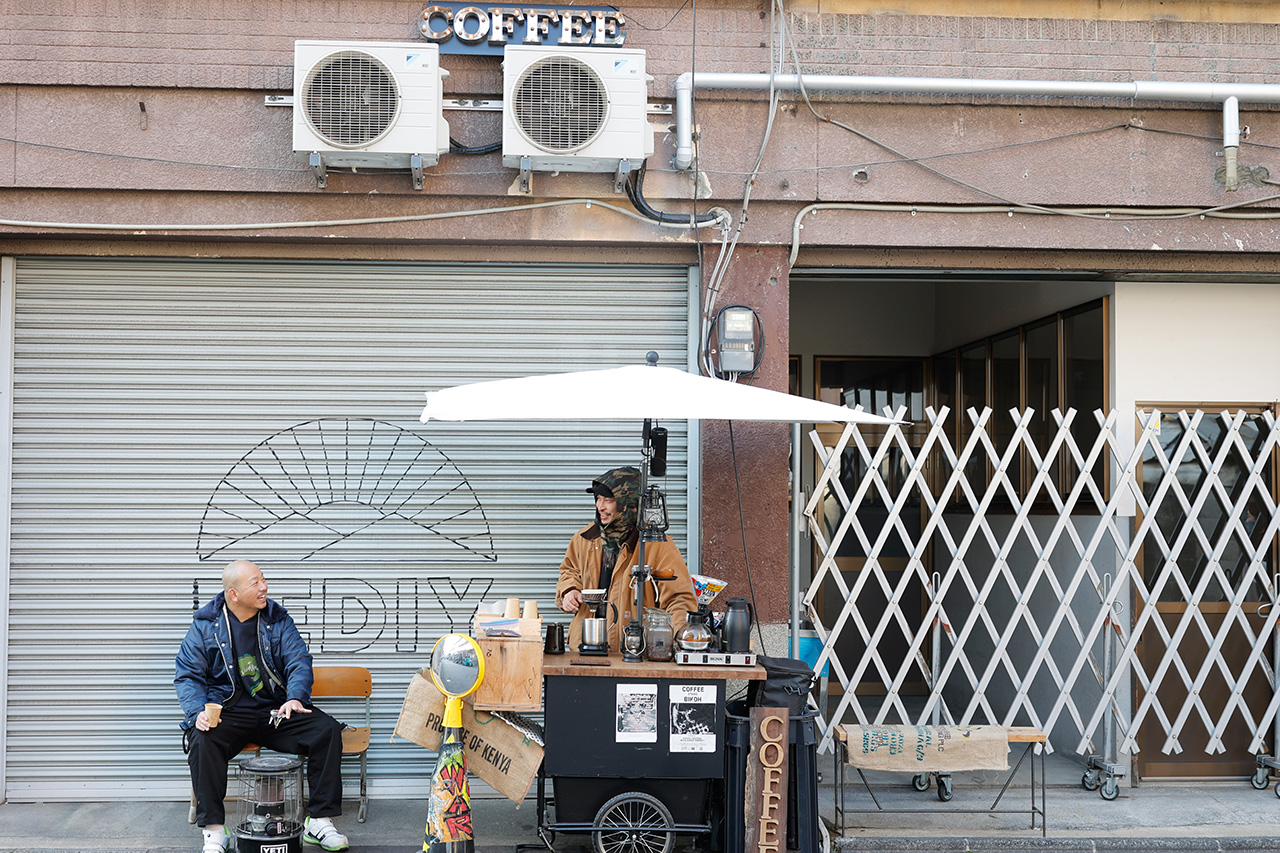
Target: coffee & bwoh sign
464, 28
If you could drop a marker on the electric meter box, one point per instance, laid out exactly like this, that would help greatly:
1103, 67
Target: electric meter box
737, 336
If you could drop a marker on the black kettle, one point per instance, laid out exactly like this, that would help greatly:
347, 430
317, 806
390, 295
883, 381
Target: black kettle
735, 630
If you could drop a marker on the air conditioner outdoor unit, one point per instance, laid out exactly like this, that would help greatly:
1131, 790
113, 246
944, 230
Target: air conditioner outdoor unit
582, 110
375, 105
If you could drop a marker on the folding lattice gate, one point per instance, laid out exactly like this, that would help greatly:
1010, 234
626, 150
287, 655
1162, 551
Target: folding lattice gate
1016, 556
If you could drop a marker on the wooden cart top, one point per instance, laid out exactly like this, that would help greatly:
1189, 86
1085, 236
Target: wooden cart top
614, 667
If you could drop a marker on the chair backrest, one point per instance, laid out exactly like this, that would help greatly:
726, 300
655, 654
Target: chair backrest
341, 681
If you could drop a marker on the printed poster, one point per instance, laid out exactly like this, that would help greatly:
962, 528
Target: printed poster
693, 718
636, 714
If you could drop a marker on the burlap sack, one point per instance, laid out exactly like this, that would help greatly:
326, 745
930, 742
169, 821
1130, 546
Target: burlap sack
928, 749
495, 750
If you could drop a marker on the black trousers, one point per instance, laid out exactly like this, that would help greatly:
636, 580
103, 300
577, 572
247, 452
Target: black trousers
315, 736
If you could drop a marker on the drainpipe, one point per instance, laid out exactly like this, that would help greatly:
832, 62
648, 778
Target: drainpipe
1228, 94
1231, 141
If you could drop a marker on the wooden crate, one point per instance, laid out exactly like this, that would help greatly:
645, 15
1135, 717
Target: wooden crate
512, 674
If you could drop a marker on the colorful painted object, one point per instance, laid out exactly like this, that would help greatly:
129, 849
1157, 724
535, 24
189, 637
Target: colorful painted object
457, 668
449, 807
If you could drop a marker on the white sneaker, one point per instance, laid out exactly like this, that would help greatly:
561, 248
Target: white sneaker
322, 832
217, 839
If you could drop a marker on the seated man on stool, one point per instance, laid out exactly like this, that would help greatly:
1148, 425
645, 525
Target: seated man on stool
244, 652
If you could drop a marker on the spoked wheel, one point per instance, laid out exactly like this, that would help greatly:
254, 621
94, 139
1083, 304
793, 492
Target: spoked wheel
634, 823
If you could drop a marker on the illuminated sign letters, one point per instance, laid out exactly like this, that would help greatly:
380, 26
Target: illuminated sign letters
463, 28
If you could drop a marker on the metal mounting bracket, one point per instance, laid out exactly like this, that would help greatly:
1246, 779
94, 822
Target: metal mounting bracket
620, 176
526, 175
317, 167
415, 166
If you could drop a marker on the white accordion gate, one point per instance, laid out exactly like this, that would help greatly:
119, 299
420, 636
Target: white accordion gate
1018, 578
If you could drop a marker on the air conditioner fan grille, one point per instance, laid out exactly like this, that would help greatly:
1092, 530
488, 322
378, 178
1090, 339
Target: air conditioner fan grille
350, 98
560, 103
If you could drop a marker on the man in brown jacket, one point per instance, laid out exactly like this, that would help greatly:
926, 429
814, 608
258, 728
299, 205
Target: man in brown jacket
601, 555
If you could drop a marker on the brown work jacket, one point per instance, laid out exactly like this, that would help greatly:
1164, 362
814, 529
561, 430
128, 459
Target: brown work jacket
580, 569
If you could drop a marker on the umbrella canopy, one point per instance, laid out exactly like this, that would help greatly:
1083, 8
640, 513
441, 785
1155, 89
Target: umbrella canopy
636, 391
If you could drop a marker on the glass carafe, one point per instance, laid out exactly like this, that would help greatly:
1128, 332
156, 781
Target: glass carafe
659, 636
695, 636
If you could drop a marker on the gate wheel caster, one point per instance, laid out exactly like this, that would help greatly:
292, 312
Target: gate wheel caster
1110, 788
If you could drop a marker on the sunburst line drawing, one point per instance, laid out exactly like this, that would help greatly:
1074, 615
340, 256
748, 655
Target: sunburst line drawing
347, 489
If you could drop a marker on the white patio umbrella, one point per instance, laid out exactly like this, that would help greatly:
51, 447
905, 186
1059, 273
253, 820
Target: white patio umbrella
641, 392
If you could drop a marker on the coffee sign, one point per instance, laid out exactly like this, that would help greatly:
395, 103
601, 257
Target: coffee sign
765, 811
464, 28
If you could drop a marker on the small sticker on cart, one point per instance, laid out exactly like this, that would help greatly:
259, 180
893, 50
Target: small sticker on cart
636, 714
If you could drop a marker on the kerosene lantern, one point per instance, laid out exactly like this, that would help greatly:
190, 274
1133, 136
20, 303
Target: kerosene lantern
268, 807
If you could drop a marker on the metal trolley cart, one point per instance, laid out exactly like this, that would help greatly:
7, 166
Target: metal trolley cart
633, 750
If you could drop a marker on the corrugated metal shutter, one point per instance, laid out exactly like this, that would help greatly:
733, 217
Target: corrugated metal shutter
172, 415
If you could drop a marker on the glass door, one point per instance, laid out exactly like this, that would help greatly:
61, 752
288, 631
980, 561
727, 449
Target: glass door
1180, 572
873, 384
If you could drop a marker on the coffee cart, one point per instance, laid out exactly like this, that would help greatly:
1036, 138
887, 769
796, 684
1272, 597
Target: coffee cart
633, 750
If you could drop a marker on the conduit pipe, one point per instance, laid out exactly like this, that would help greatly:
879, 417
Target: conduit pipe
1228, 94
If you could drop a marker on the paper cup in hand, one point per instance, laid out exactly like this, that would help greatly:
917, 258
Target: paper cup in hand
213, 713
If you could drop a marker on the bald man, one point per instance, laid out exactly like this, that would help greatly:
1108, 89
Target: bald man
244, 652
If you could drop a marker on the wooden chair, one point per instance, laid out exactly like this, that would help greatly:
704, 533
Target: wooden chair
338, 682
350, 682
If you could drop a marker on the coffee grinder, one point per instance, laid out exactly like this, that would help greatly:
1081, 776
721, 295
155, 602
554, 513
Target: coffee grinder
595, 627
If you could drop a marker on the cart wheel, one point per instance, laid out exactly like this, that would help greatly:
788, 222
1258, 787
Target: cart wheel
920, 781
1092, 780
634, 823
945, 791
1278, 789
1259, 779
1110, 788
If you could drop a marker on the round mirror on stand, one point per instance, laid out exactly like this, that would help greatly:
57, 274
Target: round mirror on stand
457, 668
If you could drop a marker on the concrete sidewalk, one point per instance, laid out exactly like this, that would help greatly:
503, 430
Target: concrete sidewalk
1228, 816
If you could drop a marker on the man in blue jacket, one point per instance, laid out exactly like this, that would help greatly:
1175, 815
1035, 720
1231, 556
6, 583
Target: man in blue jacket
244, 652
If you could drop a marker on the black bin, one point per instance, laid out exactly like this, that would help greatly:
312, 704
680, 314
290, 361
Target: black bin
802, 779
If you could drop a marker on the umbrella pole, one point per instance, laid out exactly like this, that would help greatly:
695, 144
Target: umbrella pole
633, 634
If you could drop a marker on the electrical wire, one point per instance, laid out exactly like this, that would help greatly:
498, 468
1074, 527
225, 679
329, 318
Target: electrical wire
332, 223
1226, 211
635, 192
714, 283
655, 29
140, 159
456, 147
742, 525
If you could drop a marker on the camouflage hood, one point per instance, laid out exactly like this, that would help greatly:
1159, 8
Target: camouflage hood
623, 485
